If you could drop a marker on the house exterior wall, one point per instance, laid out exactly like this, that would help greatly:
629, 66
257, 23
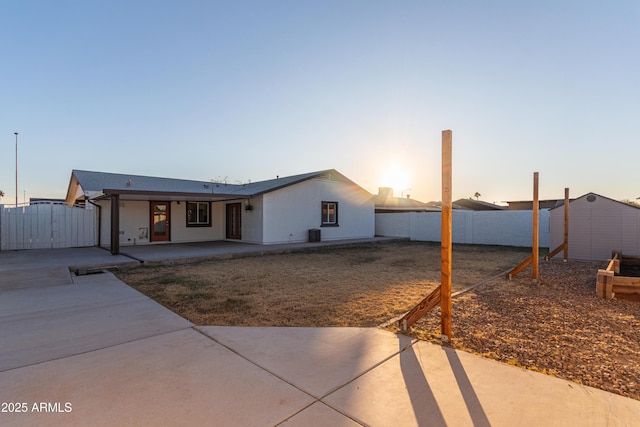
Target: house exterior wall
505, 228
252, 220
135, 215
180, 233
596, 228
289, 213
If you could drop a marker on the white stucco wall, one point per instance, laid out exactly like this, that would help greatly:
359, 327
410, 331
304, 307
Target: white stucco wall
596, 228
504, 228
136, 214
290, 212
252, 220
180, 233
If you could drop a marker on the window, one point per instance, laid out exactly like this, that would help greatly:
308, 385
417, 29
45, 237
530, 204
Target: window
329, 214
198, 214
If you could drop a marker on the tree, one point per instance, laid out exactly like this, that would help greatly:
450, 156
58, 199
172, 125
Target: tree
477, 195
1, 194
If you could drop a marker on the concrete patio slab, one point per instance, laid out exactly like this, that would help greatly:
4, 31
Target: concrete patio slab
431, 385
69, 257
46, 323
316, 360
34, 277
319, 414
101, 289
180, 378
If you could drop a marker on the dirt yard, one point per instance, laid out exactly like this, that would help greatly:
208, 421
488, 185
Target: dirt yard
556, 326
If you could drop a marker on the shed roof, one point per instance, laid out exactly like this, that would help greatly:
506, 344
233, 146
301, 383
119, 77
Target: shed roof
597, 195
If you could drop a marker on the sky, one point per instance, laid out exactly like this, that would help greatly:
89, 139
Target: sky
250, 90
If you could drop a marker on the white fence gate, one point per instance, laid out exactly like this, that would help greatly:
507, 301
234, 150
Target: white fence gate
46, 226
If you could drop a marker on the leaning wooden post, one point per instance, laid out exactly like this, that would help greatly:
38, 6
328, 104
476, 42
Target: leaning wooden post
536, 215
566, 225
445, 245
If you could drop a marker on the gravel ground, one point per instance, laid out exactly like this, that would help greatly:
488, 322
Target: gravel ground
556, 326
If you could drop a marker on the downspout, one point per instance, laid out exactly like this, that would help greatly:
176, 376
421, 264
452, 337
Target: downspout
99, 220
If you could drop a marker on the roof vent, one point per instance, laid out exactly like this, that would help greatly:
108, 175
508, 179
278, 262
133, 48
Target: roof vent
591, 198
128, 184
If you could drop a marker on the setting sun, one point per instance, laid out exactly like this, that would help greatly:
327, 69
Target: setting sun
397, 178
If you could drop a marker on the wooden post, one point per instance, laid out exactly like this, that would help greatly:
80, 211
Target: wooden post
536, 214
417, 312
445, 245
115, 224
566, 225
602, 279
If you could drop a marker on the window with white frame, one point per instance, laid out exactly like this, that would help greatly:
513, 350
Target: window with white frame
329, 214
198, 214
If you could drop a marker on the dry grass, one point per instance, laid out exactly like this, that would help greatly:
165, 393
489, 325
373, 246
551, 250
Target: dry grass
362, 285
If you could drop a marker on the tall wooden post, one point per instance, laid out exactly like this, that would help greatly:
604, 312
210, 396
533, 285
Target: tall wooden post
445, 246
566, 225
534, 246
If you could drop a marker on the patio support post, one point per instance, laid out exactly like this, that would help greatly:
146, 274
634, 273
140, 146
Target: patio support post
115, 224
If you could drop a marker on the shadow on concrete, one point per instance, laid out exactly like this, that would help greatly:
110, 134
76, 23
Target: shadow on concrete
424, 404
478, 416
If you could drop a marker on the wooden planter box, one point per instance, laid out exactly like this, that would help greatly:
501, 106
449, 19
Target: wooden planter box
609, 285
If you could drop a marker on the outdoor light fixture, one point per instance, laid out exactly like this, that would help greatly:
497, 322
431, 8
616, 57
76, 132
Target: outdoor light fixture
248, 206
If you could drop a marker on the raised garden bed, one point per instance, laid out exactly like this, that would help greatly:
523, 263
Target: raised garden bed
621, 278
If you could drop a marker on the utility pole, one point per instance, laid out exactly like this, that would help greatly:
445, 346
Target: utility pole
16, 134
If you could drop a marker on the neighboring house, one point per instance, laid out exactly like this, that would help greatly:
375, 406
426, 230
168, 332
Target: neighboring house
386, 203
476, 205
135, 209
597, 225
527, 205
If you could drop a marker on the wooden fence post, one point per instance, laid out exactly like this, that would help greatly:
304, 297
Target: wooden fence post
566, 225
536, 214
445, 245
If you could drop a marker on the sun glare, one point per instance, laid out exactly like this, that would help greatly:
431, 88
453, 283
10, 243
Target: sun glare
397, 178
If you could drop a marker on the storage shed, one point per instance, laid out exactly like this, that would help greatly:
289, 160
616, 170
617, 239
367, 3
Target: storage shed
597, 225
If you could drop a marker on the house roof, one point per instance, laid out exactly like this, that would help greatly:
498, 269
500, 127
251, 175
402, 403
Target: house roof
90, 184
477, 205
389, 203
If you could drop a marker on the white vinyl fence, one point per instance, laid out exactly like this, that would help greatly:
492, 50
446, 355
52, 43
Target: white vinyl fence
46, 226
502, 228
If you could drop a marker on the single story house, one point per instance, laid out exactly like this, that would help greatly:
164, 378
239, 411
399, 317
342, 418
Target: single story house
597, 225
386, 203
137, 210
